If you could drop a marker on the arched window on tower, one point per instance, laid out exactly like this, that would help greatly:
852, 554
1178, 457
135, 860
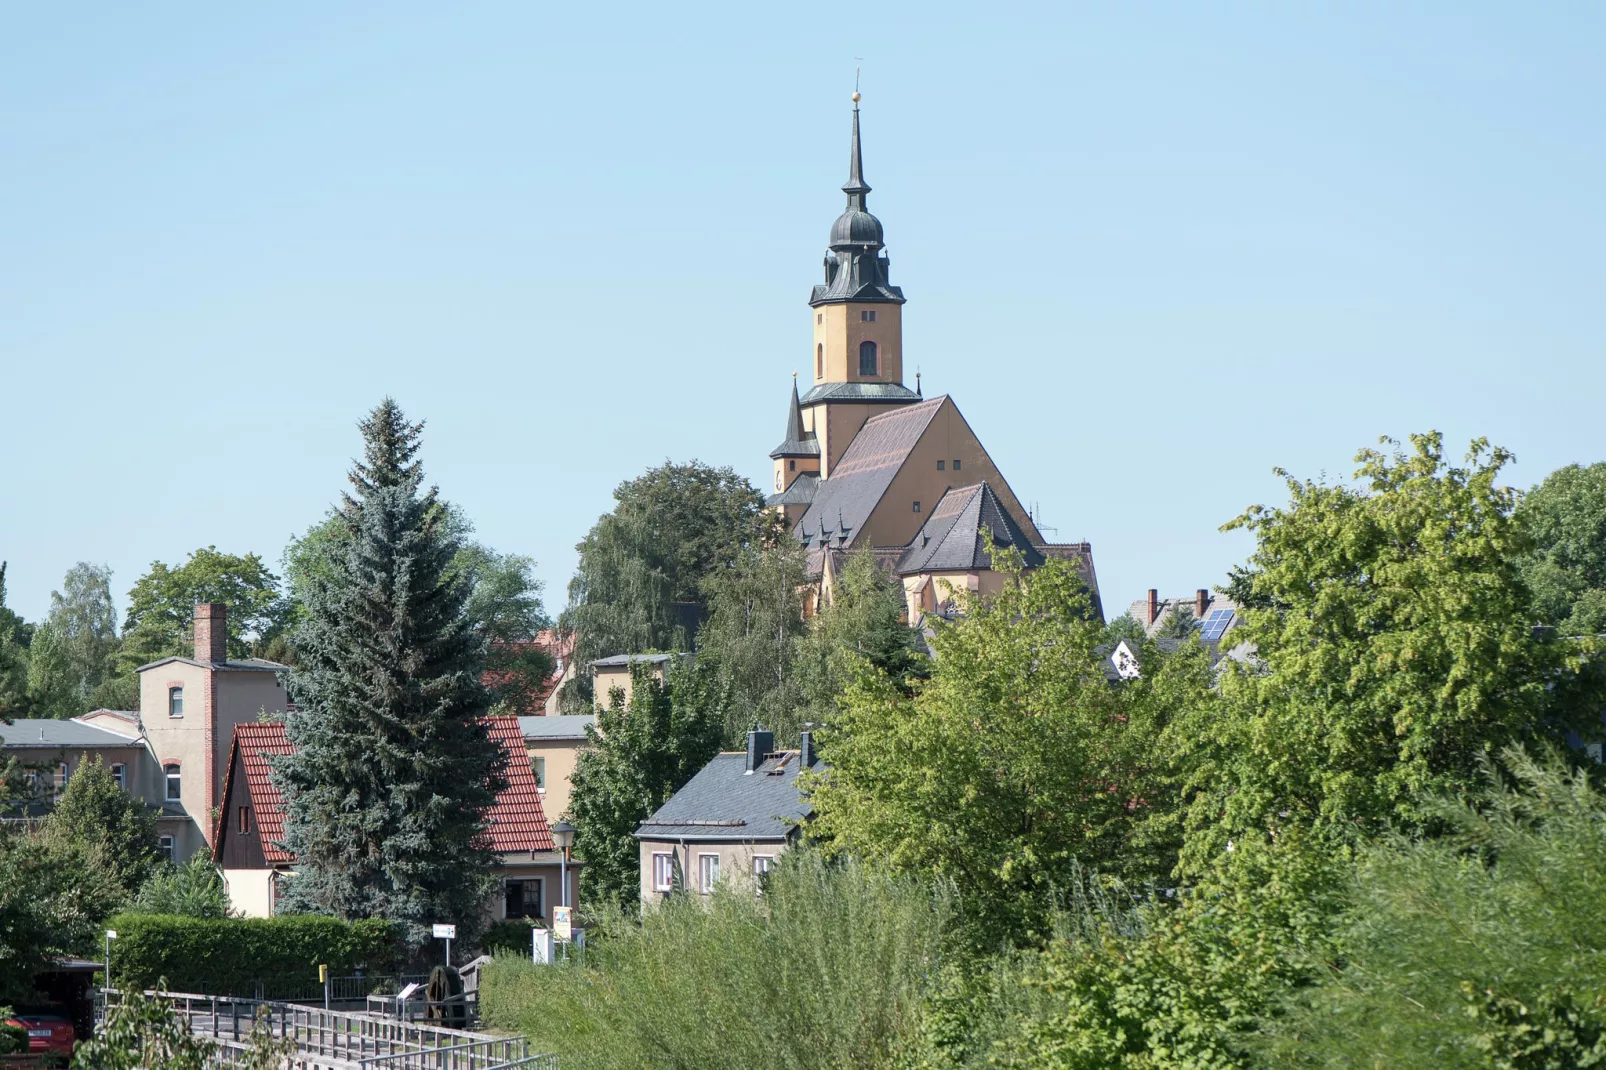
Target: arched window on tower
819, 360
867, 358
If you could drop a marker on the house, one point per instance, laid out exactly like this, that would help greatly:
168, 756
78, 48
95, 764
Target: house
1214, 615
248, 841
173, 751
553, 744
614, 673
544, 693
53, 750
730, 822
865, 462
189, 708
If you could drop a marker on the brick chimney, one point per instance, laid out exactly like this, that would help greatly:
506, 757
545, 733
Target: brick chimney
1201, 602
1154, 605
211, 632
805, 749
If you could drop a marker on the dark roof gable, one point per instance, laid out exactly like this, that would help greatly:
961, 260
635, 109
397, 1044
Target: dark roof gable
953, 537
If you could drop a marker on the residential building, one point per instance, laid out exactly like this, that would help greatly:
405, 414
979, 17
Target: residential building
731, 821
614, 674
54, 750
1214, 615
189, 708
553, 744
248, 842
865, 462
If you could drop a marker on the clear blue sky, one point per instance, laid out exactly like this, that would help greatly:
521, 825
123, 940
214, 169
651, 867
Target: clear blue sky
1151, 250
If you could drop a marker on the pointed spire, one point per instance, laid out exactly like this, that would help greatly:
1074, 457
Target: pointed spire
856, 187
794, 416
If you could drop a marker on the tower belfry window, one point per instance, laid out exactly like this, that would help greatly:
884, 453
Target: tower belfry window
867, 358
867, 316
819, 360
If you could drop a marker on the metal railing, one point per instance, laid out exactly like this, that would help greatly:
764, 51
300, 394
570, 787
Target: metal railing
341, 1040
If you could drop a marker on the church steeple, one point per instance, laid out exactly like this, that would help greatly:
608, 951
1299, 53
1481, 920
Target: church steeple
855, 268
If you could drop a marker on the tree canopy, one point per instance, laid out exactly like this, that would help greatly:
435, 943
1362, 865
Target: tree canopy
1395, 651
1566, 517
161, 606
639, 585
99, 817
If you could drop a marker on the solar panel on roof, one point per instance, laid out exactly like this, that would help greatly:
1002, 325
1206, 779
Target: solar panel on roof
1216, 624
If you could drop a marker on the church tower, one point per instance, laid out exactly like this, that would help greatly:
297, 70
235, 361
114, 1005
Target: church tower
857, 358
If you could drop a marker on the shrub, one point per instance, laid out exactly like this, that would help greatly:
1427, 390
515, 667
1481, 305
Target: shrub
1486, 947
511, 936
824, 971
228, 956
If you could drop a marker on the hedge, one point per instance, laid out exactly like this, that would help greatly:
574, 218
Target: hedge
231, 956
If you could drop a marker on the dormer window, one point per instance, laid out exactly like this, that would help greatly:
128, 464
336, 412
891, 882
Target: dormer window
867, 358
175, 702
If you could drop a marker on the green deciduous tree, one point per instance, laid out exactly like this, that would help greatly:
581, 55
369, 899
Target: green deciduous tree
161, 606
1483, 947
637, 756
862, 622
77, 643
193, 890
1566, 517
1396, 651
640, 578
394, 772
755, 619
15, 635
102, 819
53, 899
1016, 762
146, 1032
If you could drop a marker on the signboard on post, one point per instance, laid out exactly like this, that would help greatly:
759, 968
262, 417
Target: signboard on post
563, 923
446, 932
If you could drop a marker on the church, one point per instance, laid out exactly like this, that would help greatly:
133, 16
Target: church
868, 463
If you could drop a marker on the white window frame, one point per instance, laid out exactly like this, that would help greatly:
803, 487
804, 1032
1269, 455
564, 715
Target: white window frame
175, 691
58, 780
707, 874
119, 773
663, 871
761, 866
538, 767
164, 847
173, 783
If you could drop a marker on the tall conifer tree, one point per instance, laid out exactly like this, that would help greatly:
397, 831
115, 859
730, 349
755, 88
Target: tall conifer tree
394, 770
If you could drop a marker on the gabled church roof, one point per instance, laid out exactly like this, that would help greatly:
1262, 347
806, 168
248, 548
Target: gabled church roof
952, 537
845, 499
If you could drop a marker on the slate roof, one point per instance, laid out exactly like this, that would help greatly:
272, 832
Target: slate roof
801, 492
242, 665
724, 802
517, 821
798, 442
615, 660
952, 538
52, 734
858, 481
839, 392
1214, 601
566, 726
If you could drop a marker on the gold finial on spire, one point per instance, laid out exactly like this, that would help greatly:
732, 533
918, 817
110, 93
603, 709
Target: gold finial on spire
856, 61
794, 377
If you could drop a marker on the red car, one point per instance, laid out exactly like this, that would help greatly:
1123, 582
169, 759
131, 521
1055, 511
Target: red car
46, 1032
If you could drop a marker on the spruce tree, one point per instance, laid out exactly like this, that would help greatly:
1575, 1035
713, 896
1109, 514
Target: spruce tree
394, 772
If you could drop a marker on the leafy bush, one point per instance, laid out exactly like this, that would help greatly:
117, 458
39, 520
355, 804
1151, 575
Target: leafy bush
13, 1038
227, 956
511, 936
1484, 948
824, 971
194, 890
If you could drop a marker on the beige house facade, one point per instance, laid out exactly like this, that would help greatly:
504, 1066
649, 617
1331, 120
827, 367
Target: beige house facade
553, 744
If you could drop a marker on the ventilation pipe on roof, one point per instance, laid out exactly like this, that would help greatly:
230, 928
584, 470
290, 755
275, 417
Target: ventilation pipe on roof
759, 743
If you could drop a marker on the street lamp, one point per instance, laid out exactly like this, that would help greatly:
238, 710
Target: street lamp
563, 836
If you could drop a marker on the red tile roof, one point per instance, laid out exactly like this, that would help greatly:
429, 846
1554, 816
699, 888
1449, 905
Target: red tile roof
256, 742
517, 821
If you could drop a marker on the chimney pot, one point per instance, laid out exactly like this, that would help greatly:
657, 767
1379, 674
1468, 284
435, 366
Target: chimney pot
211, 632
1154, 606
1201, 602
